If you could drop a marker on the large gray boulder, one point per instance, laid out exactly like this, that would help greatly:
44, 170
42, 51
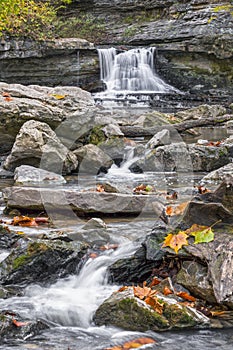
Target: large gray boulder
29, 175
218, 175
182, 158
82, 202
37, 145
92, 159
54, 106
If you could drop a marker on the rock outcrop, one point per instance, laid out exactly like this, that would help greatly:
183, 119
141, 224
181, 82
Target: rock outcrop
193, 41
70, 110
37, 145
71, 62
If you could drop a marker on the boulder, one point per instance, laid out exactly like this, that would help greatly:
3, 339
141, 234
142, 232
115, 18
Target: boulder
7, 238
218, 175
202, 111
10, 328
29, 175
208, 158
95, 223
135, 269
159, 139
210, 207
122, 309
194, 277
92, 160
37, 145
82, 202
41, 261
151, 119
53, 106
183, 158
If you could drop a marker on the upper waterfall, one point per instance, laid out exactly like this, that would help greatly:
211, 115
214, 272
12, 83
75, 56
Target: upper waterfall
131, 71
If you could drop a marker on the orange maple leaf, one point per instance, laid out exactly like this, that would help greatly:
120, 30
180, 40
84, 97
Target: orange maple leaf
176, 209
185, 296
167, 291
24, 221
155, 304
19, 324
155, 282
100, 188
133, 344
176, 242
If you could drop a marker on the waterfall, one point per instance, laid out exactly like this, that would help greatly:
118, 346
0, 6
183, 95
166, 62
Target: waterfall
131, 71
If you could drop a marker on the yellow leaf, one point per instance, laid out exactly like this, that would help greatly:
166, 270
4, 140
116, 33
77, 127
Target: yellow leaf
58, 97
176, 242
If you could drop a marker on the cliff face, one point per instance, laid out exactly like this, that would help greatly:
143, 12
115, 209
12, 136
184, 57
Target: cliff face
194, 41
61, 62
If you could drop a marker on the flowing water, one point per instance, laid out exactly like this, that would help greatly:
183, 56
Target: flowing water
130, 76
70, 303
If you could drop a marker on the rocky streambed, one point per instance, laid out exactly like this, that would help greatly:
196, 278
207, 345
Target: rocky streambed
66, 271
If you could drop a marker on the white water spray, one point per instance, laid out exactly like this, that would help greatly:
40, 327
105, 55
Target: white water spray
131, 71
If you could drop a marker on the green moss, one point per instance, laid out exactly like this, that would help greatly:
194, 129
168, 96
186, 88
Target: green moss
178, 316
136, 317
227, 8
36, 247
32, 249
97, 135
21, 260
85, 26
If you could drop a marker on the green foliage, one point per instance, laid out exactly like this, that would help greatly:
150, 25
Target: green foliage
85, 26
28, 18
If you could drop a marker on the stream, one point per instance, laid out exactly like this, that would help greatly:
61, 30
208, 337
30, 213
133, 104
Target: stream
69, 304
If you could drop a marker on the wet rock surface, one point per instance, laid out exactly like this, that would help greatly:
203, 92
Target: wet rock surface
13, 326
123, 310
41, 261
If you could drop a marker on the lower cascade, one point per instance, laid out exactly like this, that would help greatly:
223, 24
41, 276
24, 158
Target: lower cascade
130, 73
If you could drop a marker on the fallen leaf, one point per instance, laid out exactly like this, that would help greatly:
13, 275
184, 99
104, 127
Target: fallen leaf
202, 189
203, 236
195, 227
185, 296
167, 291
109, 246
19, 324
155, 282
100, 188
176, 242
172, 195
122, 289
42, 220
8, 99
58, 97
6, 94
133, 344
177, 209
215, 144
24, 221
155, 304
93, 255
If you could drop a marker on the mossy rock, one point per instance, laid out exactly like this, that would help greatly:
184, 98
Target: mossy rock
122, 309
41, 261
97, 135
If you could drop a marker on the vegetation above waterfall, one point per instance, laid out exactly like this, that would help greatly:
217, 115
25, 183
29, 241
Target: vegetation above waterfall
29, 18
